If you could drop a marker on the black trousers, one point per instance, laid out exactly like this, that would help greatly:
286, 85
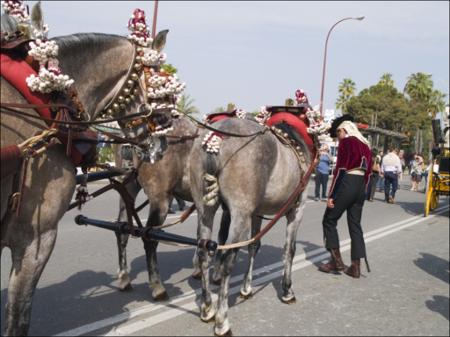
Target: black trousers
350, 197
372, 186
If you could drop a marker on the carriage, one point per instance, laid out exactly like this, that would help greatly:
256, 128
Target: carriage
438, 181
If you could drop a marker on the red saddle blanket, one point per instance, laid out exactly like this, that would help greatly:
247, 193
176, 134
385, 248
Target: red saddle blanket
15, 71
289, 115
298, 124
215, 117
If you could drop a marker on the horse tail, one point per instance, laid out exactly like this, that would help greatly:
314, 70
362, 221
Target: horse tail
211, 184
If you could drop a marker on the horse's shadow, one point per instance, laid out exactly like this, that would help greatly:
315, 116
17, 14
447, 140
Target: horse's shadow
438, 268
89, 292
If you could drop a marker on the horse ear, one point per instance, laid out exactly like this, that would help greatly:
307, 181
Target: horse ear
160, 40
37, 18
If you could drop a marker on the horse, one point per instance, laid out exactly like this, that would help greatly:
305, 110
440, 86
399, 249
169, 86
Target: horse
167, 177
99, 64
251, 175
161, 181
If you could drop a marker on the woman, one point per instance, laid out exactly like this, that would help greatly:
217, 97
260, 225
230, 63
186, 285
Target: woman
347, 193
416, 172
322, 172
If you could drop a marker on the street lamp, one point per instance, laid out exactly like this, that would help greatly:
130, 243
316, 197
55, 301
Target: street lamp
155, 16
325, 58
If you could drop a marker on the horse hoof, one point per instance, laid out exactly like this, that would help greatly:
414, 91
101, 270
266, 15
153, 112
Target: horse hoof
207, 314
289, 300
223, 329
125, 287
160, 295
196, 275
216, 282
246, 294
227, 333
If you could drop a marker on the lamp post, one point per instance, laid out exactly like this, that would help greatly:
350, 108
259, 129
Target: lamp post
155, 16
325, 58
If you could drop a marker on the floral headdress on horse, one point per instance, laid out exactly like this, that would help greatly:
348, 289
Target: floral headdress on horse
163, 86
44, 51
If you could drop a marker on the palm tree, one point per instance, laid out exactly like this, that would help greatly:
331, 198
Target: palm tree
346, 90
386, 79
186, 105
419, 87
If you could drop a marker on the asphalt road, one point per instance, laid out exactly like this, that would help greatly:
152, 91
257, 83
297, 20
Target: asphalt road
407, 292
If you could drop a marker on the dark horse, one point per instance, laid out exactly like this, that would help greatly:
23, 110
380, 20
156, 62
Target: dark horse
252, 180
99, 65
160, 181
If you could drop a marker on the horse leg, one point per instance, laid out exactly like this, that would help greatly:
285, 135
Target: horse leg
253, 248
159, 207
294, 218
239, 229
222, 238
27, 265
31, 236
204, 232
124, 281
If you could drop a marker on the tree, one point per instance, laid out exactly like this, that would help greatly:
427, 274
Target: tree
425, 102
386, 79
382, 106
186, 105
346, 90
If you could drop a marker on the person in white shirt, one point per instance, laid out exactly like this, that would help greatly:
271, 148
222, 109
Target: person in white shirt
391, 168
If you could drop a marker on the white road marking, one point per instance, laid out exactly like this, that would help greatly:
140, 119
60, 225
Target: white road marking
270, 272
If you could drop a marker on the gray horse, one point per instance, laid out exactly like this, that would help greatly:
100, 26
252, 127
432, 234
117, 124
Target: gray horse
252, 180
162, 180
98, 63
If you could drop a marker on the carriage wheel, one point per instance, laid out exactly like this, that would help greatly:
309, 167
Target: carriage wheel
429, 193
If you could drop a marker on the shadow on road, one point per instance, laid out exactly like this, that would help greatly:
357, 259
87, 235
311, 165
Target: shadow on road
439, 304
438, 268
434, 266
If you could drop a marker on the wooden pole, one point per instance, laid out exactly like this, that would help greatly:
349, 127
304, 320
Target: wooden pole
155, 16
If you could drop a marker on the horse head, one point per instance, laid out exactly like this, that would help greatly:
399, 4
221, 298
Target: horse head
160, 89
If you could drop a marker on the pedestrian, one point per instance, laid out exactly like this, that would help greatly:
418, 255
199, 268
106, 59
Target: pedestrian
416, 173
380, 182
322, 172
391, 168
347, 193
373, 180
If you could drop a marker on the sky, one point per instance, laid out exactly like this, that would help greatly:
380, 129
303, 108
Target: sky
256, 53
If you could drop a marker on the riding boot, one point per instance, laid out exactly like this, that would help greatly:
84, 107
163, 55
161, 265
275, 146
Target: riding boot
335, 265
354, 270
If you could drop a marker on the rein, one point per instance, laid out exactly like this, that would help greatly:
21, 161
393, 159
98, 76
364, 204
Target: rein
208, 127
9, 107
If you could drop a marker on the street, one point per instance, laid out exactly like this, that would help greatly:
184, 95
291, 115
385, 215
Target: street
406, 293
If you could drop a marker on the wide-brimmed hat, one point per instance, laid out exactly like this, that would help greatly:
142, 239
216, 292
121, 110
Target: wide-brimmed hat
337, 122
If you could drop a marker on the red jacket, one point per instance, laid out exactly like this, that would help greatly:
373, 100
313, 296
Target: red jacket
352, 154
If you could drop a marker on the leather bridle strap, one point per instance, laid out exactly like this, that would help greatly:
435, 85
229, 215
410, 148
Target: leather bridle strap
9, 107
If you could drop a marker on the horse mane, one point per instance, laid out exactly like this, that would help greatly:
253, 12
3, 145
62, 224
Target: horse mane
8, 24
88, 40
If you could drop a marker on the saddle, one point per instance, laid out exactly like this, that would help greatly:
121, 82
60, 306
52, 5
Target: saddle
218, 116
293, 122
